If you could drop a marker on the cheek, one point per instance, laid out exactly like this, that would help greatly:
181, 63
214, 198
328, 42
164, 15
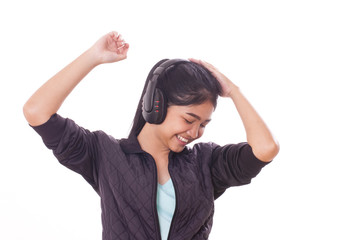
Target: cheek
179, 126
173, 127
201, 132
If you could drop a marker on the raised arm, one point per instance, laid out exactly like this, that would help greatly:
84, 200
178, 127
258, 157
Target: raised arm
48, 98
265, 147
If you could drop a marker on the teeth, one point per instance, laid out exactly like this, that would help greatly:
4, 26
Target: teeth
182, 139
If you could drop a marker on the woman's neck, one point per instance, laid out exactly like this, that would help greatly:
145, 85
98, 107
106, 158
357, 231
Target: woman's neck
151, 143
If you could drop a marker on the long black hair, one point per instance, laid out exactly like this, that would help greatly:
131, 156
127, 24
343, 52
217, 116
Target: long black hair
183, 84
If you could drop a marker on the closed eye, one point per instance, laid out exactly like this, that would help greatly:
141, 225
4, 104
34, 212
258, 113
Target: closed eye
203, 125
187, 121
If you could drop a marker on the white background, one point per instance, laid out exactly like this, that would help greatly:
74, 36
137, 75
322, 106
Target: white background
296, 61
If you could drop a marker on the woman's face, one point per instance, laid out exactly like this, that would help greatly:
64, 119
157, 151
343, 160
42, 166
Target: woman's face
184, 124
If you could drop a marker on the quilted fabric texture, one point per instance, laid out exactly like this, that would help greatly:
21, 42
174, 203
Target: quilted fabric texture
125, 178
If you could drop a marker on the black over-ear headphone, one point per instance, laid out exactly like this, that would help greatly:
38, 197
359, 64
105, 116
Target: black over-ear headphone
154, 101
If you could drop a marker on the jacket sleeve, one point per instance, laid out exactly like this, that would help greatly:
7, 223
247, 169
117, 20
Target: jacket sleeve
233, 165
74, 146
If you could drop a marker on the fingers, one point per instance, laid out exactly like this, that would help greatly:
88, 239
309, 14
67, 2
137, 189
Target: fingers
113, 35
118, 43
194, 60
122, 50
117, 38
121, 44
199, 61
122, 47
207, 65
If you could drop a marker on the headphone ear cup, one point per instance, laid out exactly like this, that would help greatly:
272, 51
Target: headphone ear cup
154, 104
160, 106
158, 113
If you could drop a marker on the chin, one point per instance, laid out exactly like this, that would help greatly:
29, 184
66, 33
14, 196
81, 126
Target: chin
177, 149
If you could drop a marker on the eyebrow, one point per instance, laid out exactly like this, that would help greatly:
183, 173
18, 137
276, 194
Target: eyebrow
197, 117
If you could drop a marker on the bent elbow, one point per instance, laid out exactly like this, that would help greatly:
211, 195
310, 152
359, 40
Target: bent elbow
275, 149
33, 116
268, 152
28, 111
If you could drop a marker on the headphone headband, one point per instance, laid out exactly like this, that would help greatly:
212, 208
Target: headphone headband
154, 100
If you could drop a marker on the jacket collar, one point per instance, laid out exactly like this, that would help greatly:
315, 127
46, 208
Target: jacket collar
131, 144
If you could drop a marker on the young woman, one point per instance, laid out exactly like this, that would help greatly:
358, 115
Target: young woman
151, 185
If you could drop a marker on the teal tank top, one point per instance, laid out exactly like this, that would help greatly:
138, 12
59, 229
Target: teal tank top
165, 202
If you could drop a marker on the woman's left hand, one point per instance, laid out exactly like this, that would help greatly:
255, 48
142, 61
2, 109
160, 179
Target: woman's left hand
264, 146
226, 85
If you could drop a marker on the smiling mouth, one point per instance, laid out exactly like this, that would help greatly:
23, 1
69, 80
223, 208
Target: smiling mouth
184, 140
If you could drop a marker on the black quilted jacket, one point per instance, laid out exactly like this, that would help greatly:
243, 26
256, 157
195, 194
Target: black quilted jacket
125, 178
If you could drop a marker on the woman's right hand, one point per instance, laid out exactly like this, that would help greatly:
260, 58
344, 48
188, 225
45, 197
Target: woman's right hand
49, 97
110, 48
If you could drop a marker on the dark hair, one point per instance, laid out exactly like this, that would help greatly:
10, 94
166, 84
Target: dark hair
184, 83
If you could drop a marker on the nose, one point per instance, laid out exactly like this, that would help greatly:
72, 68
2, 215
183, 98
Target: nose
193, 132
